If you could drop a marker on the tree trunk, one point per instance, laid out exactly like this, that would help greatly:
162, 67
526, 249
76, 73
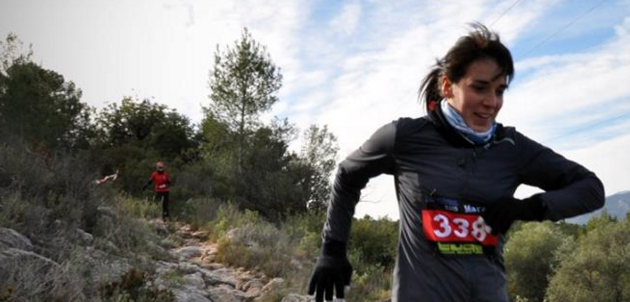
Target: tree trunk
241, 138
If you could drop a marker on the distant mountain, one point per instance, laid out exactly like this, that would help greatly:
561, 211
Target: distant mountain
617, 205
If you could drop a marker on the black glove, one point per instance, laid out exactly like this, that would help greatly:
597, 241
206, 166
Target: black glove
501, 215
332, 271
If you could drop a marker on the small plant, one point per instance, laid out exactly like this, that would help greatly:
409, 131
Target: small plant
174, 278
135, 285
5, 294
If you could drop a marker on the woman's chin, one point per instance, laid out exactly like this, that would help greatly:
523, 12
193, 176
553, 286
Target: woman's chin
479, 128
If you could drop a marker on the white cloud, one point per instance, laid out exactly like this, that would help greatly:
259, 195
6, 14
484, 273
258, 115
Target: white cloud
346, 22
578, 84
609, 160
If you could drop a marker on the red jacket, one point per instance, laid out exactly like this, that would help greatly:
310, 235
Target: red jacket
160, 181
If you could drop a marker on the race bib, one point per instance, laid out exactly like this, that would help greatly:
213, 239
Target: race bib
456, 227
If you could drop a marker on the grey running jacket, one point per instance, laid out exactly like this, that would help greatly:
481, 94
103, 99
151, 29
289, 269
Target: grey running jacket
427, 155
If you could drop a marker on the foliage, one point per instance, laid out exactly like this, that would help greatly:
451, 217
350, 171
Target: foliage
53, 201
135, 285
598, 221
39, 107
270, 183
25, 278
137, 134
243, 83
597, 269
289, 249
147, 125
529, 259
262, 247
374, 241
319, 152
12, 52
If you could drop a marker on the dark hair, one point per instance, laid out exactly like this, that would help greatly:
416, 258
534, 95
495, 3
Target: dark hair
480, 43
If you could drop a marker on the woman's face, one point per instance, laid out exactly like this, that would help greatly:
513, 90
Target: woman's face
478, 96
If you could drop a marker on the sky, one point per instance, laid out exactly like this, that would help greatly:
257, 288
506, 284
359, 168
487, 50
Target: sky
353, 65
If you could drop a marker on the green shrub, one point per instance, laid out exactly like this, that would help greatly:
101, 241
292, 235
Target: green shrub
373, 242
229, 217
139, 208
196, 211
259, 246
370, 283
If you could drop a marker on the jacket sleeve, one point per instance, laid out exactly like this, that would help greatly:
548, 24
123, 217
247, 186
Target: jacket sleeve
570, 189
150, 180
373, 158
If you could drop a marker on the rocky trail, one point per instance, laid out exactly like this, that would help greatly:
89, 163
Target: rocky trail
190, 272
195, 276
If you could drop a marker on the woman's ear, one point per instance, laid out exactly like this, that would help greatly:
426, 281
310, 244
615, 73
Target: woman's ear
447, 87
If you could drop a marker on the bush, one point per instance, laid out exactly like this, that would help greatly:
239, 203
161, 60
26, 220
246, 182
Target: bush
529, 258
33, 278
373, 242
259, 246
51, 199
597, 268
196, 211
135, 286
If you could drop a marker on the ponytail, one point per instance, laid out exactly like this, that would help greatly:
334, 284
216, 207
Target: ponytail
430, 92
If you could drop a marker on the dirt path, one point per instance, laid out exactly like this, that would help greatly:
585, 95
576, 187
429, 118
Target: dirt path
195, 276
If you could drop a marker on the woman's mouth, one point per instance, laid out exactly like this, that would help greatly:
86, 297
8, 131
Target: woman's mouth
484, 116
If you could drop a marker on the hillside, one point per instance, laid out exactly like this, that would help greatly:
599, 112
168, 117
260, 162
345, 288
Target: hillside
188, 271
617, 205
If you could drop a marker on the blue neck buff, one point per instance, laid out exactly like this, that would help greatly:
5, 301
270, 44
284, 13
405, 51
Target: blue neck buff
456, 121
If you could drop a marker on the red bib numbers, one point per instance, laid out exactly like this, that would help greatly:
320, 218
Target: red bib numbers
445, 226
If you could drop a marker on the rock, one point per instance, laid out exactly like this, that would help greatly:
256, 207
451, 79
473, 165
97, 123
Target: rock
224, 293
297, 265
29, 270
105, 267
10, 238
251, 284
188, 268
189, 295
12, 256
163, 266
297, 298
188, 252
159, 226
195, 280
273, 285
212, 249
252, 293
84, 237
201, 235
213, 266
106, 211
231, 234
220, 276
156, 249
207, 259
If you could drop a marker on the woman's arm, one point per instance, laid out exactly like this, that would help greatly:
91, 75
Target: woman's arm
373, 158
570, 188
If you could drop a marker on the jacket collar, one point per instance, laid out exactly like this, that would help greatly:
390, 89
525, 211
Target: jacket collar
436, 117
